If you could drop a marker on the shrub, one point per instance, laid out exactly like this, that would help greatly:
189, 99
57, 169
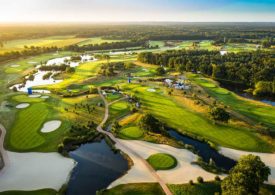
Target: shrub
219, 114
200, 179
217, 178
191, 182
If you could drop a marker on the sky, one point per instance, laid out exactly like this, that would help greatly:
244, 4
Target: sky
20, 11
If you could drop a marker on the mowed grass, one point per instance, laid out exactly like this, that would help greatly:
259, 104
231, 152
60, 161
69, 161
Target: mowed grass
118, 110
253, 109
25, 64
27, 99
181, 118
135, 189
84, 71
98, 40
58, 41
131, 132
35, 192
24, 134
162, 161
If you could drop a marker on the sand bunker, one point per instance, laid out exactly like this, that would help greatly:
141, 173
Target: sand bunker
151, 90
15, 66
44, 97
51, 126
182, 173
23, 105
35, 96
32, 171
268, 159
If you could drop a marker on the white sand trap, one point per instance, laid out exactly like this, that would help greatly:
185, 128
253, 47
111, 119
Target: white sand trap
23, 105
35, 96
151, 90
15, 66
267, 158
51, 126
32, 171
44, 97
182, 173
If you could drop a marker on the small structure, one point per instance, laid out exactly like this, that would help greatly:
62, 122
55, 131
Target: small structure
30, 91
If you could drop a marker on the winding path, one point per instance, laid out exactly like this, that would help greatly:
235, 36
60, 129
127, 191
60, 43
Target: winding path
128, 150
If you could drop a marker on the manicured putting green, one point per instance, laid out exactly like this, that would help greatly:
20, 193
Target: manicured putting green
132, 132
162, 161
24, 134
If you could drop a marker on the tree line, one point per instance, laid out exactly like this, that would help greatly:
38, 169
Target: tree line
251, 69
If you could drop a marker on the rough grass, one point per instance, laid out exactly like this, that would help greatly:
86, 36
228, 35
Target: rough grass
58, 41
24, 134
35, 192
253, 109
135, 189
207, 188
179, 117
118, 110
131, 132
162, 161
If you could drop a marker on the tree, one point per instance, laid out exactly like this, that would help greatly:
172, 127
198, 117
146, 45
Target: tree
246, 177
150, 123
219, 114
160, 71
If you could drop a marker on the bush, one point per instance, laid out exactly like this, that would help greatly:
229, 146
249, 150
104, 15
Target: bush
200, 179
160, 71
217, 178
191, 182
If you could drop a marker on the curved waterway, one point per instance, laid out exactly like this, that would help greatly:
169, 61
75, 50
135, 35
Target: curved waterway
205, 151
97, 167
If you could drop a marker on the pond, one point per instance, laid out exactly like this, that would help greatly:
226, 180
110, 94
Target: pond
97, 167
38, 79
205, 151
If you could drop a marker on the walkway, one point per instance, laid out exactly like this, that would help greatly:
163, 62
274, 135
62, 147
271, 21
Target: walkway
128, 150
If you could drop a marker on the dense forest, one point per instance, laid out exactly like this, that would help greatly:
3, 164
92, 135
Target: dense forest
106, 46
252, 69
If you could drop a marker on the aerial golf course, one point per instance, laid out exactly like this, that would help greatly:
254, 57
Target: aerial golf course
111, 96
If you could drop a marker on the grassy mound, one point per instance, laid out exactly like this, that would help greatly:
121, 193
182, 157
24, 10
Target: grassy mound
162, 161
132, 132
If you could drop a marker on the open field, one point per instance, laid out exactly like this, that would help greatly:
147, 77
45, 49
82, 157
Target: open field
253, 109
35, 192
164, 107
58, 41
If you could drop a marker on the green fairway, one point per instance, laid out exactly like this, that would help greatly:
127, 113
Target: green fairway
27, 99
181, 118
97, 40
131, 132
118, 110
135, 189
25, 135
31, 62
58, 41
162, 161
253, 109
